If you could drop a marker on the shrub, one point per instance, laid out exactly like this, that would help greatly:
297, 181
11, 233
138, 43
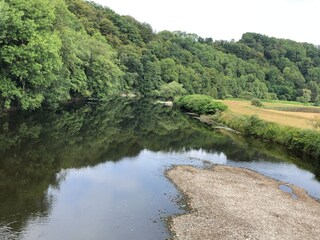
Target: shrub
256, 102
317, 103
246, 95
200, 104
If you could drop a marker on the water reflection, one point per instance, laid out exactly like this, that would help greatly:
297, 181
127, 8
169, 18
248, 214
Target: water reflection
62, 170
107, 202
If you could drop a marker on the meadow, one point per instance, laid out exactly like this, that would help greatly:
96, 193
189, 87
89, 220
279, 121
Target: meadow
285, 113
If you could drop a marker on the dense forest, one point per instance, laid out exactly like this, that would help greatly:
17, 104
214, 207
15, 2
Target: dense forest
54, 51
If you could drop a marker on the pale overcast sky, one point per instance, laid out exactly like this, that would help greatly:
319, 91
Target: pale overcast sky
227, 19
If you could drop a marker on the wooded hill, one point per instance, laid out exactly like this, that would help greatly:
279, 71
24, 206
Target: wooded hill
54, 51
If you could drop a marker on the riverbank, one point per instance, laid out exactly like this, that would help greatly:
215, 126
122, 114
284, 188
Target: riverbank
301, 140
235, 203
304, 141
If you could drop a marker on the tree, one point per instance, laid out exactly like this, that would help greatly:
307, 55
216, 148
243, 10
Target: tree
151, 79
315, 90
294, 75
54, 51
104, 76
314, 74
169, 71
170, 90
29, 51
306, 96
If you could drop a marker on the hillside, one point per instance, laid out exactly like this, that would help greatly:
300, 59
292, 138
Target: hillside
54, 51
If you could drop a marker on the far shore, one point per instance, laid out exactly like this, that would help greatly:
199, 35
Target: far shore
235, 203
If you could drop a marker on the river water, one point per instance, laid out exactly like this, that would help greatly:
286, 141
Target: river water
97, 171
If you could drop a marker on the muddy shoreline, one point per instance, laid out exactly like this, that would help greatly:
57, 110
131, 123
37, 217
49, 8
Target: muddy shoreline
235, 203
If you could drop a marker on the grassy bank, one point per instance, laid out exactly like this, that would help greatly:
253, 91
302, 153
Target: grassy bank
277, 126
305, 140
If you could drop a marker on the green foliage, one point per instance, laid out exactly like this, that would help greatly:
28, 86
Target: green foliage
307, 141
54, 51
170, 90
246, 95
256, 102
29, 52
306, 96
200, 104
47, 57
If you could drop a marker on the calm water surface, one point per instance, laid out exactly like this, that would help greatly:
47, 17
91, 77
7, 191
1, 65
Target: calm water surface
97, 172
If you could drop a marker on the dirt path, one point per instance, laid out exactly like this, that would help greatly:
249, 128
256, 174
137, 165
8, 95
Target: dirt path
235, 203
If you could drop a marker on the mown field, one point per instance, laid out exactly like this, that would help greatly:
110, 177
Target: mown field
283, 113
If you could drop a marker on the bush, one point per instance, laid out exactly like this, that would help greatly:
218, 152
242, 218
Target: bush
256, 102
317, 103
228, 96
200, 104
246, 95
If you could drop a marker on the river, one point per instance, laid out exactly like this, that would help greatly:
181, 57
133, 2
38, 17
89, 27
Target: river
98, 171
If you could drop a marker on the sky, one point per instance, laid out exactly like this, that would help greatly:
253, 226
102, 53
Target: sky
227, 19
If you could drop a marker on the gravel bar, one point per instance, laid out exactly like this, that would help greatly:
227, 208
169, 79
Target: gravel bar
235, 203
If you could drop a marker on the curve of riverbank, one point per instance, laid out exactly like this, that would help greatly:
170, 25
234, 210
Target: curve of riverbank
235, 203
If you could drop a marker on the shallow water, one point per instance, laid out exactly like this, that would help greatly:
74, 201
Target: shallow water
97, 172
288, 189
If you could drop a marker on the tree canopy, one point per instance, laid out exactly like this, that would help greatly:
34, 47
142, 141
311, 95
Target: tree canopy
58, 50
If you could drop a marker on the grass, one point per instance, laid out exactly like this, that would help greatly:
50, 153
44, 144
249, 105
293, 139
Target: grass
297, 109
285, 113
295, 129
288, 102
302, 140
